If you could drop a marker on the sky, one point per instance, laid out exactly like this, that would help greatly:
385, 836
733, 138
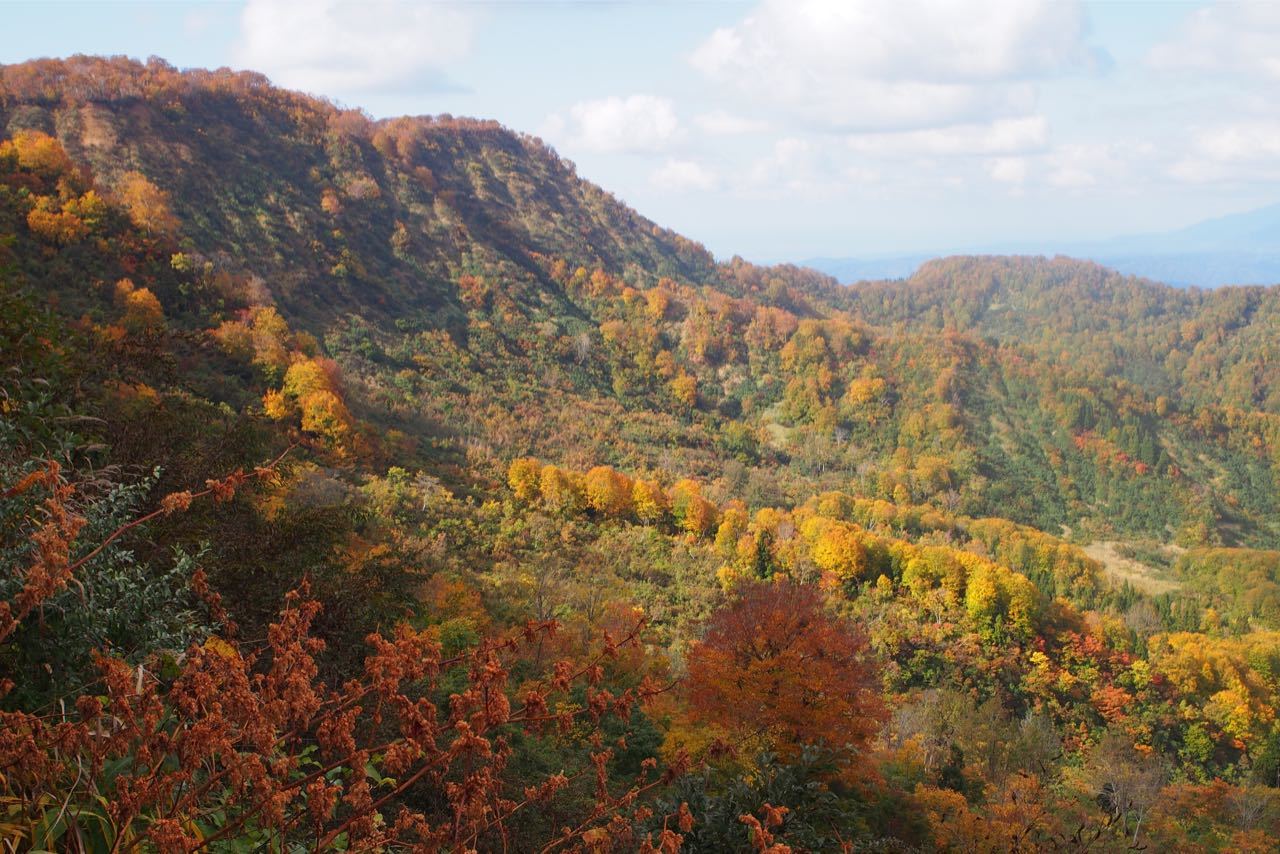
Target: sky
790, 129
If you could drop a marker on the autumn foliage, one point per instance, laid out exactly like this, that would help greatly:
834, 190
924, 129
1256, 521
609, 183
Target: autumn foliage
775, 665
147, 204
245, 742
586, 541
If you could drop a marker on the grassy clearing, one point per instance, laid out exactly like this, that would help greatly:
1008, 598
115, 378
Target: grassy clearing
1121, 569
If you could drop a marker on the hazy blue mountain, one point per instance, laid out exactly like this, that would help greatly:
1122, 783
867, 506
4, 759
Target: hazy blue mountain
1256, 231
848, 270
1238, 249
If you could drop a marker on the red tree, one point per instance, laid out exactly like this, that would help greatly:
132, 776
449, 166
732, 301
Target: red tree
776, 663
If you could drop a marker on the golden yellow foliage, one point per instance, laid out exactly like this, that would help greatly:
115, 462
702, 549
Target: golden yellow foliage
39, 153
837, 548
60, 228
306, 376
275, 405
141, 308
1220, 672
324, 413
560, 490
693, 513
523, 477
270, 338
649, 500
608, 492
864, 390
147, 204
236, 339
733, 524
684, 388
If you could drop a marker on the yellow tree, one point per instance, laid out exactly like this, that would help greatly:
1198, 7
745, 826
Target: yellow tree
650, 501
684, 388
693, 513
39, 153
324, 414
270, 340
141, 308
560, 490
608, 492
311, 384
524, 478
147, 204
837, 549
52, 226
276, 405
307, 376
733, 524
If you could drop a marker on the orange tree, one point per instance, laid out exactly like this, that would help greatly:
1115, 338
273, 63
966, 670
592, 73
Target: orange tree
776, 665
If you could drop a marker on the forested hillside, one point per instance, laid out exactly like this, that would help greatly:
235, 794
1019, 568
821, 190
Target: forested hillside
1202, 348
368, 484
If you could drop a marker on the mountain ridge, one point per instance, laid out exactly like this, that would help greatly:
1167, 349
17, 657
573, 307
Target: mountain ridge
381, 237
267, 155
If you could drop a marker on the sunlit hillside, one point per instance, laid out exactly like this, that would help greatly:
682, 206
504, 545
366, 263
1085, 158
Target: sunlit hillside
378, 484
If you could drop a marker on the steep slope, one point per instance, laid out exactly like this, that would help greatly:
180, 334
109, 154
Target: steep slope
327, 209
484, 302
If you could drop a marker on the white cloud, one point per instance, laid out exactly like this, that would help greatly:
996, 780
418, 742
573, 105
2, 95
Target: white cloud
637, 124
197, 22
1236, 139
1242, 142
680, 176
1003, 136
1236, 36
724, 123
332, 47
1008, 170
1195, 171
1079, 166
896, 64
1069, 178
1244, 151
1073, 169
794, 165
862, 175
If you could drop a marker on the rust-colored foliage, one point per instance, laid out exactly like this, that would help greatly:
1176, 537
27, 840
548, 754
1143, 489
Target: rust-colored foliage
247, 740
775, 663
762, 840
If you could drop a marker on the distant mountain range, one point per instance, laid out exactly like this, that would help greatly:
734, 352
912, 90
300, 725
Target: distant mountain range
1238, 249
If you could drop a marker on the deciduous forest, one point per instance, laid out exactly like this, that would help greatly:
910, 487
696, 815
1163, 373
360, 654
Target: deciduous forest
384, 485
